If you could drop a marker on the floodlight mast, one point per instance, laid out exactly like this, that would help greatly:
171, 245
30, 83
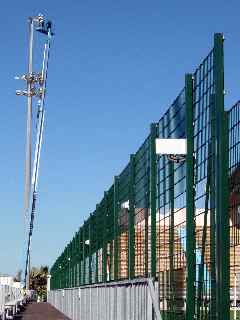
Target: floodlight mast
36, 87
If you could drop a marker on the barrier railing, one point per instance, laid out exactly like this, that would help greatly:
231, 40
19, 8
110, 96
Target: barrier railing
123, 300
11, 299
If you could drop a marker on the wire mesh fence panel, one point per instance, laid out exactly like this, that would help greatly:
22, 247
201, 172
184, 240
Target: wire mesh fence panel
164, 215
171, 265
110, 234
171, 200
141, 212
123, 234
202, 109
234, 205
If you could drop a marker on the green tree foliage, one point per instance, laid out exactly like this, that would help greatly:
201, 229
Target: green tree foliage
38, 281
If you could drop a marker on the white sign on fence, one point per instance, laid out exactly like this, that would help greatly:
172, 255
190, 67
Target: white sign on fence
171, 146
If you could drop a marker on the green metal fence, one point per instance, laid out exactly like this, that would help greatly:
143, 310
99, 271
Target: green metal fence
170, 220
234, 207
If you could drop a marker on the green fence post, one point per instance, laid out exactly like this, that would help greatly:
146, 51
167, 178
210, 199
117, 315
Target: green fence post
153, 195
74, 261
70, 265
58, 282
61, 273
116, 209
63, 270
77, 260
56, 278
221, 160
213, 211
80, 256
190, 207
84, 252
67, 267
131, 226
60, 278
104, 260
171, 237
146, 233
111, 261
90, 248
97, 241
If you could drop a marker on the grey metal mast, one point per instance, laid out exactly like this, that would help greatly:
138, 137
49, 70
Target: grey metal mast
36, 87
29, 121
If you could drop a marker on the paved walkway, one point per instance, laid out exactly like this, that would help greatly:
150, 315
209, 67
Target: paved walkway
41, 311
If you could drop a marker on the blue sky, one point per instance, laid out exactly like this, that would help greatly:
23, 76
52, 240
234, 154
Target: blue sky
115, 67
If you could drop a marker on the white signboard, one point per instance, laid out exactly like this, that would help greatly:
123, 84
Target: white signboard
171, 146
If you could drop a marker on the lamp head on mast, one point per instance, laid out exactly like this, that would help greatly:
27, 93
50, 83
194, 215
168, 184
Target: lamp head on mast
35, 80
45, 28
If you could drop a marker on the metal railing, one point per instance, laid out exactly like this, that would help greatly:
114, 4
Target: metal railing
10, 299
123, 300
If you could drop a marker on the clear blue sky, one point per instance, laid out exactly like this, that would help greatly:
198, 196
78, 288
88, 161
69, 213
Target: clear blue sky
115, 66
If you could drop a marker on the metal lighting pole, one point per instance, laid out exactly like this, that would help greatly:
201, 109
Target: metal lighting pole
36, 87
29, 121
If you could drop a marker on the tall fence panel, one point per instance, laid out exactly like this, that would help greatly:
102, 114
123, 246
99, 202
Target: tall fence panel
166, 217
234, 206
